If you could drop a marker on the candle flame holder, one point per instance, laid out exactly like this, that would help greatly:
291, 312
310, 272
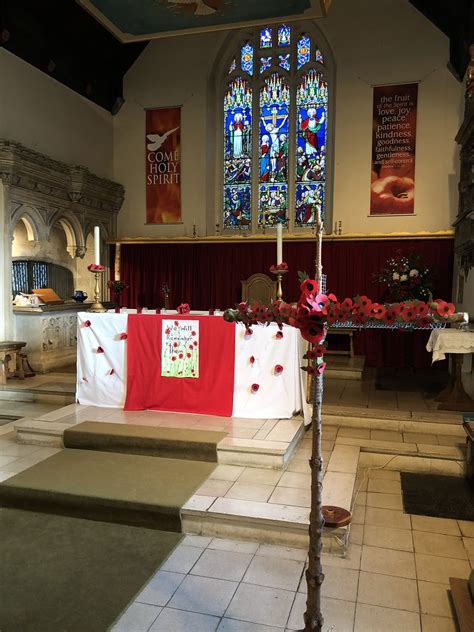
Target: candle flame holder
97, 305
279, 275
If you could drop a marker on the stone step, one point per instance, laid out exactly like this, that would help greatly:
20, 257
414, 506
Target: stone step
435, 422
62, 397
344, 368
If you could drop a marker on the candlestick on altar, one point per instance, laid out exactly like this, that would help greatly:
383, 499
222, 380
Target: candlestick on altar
96, 245
279, 243
97, 305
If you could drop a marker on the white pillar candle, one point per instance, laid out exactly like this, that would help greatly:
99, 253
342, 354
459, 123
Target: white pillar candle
97, 245
279, 243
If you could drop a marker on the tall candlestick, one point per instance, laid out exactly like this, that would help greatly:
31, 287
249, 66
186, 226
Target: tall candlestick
279, 243
97, 245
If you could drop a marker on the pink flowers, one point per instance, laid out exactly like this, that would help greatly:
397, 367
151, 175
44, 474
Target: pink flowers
95, 267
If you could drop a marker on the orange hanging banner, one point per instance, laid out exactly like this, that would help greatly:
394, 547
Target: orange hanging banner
393, 150
163, 166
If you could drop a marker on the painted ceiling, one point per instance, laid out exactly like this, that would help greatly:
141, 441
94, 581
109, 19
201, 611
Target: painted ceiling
134, 20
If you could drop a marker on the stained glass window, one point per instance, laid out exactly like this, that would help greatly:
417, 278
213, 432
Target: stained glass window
276, 76
311, 135
237, 154
284, 35
266, 38
304, 50
273, 171
246, 58
284, 61
265, 63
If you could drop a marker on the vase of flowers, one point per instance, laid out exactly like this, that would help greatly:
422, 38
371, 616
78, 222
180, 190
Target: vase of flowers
406, 278
117, 287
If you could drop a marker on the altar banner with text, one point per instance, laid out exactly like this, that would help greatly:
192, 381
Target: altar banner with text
148, 387
180, 348
392, 189
163, 166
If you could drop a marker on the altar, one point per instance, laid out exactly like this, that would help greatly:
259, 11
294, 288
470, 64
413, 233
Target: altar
127, 361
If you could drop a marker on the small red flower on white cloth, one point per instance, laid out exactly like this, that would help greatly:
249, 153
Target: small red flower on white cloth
87, 323
278, 369
123, 336
252, 359
254, 388
248, 332
279, 335
95, 267
100, 350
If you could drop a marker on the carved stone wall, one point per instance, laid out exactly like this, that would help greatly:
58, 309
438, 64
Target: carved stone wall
46, 191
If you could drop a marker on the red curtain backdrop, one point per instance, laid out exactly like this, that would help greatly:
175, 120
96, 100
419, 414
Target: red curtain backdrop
210, 394
209, 275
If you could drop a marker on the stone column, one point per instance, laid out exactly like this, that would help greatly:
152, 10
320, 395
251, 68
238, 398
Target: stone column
6, 318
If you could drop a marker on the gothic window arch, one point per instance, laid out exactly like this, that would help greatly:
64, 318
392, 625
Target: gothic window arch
276, 120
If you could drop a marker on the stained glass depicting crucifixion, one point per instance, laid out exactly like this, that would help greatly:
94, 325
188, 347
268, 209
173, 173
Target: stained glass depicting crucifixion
274, 111
275, 115
237, 153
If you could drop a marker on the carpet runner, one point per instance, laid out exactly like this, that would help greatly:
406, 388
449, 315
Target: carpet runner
174, 443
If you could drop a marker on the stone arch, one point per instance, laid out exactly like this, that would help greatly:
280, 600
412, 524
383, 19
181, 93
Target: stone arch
32, 220
73, 230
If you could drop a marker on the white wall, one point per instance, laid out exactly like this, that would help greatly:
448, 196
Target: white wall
44, 115
381, 42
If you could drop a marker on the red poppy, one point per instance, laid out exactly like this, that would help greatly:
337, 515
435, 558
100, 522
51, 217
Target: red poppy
193, 333
424, 321
167, 331
347, 304
309, 287
311, 354
364, 302
248, 332
176, 323
342, 315
251, 359
195, 343
310, 370
332, 298
445, 309
422, 308
100, 350
390, 316
285, 310
331, 315
191, 347
180, 356
279, 335
243, 307
175, 344
377, 311
188, 355
87, 323
123, 336
173, 358
314, 333
320, 350
409, 313
278, 369
254, 388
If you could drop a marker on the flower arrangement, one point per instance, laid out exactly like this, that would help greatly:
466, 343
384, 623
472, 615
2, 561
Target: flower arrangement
117, 286
183, 308
95, 267
315, 311
279, 267
406, 277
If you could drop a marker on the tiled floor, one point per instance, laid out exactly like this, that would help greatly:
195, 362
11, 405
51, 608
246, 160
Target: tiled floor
394, 578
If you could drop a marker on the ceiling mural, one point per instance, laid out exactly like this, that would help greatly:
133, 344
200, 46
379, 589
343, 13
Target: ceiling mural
134, 20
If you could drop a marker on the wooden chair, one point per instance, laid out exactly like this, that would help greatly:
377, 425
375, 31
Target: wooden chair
259, 288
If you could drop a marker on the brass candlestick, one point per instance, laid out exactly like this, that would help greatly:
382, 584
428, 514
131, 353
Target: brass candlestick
97, 305
279, 275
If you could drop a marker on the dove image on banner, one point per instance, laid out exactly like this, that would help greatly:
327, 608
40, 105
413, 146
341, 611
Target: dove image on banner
163, 166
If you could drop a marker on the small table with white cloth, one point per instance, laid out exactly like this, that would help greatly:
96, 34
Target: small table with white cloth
457, 342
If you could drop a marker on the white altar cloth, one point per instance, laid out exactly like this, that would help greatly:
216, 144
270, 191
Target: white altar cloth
443, 341
102, 377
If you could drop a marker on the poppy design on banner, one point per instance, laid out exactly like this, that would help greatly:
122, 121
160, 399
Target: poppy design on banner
180, 348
